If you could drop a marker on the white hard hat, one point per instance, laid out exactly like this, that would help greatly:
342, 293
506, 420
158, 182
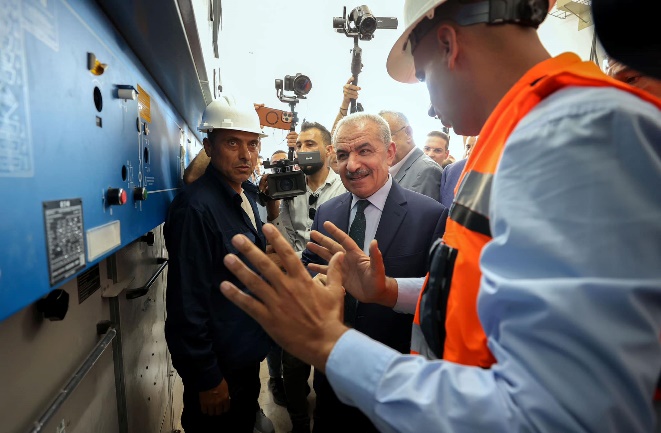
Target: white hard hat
400, 60
226, 113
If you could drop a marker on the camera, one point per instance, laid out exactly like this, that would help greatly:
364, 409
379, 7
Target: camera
362, 23
286, 182
299, 84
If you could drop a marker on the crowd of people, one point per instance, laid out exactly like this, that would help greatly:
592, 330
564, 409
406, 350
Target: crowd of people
515, 289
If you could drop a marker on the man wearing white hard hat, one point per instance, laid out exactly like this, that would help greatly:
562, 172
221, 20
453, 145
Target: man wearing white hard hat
542, 308
215, 347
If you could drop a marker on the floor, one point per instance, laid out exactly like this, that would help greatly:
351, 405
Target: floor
278, 414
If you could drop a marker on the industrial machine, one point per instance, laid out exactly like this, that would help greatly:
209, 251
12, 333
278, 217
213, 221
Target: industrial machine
98, 104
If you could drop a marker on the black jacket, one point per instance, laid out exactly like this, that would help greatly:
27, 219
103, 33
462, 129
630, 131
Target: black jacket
205, 332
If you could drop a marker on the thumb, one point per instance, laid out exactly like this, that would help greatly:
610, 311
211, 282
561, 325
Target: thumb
376, 259
334, 274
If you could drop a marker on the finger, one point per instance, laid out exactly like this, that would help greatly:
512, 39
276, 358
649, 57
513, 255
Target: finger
350, 80
342, 238
334, 275
288, 258
204, 409
320, 269
376, 259
257, 258
322, 252
327, 242
247, 303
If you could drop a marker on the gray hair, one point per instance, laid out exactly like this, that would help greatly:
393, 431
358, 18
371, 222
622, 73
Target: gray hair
397, 115
362, 119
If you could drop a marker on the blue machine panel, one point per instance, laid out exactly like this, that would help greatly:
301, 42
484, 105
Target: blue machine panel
66, 134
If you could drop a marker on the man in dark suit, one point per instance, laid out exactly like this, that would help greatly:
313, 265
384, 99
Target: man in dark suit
452, 172
403, 222
411, 168
449, 181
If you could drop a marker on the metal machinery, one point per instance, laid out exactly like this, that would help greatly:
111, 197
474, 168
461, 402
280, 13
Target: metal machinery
98, 104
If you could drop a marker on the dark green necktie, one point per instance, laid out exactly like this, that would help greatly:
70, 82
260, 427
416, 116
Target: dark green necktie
357, 233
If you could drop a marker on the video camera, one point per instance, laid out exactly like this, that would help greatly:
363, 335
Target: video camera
286, 182
360, 25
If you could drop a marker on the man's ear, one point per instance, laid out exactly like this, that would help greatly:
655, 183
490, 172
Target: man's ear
207, 146
409, 133
447, 42
391, 150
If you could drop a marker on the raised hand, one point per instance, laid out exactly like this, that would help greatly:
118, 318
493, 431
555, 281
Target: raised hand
363, 276
303, 316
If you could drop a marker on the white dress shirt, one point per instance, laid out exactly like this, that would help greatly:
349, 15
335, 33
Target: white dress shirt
372, 212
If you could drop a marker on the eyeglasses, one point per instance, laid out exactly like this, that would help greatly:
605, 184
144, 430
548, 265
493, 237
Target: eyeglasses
312, 200
392, 134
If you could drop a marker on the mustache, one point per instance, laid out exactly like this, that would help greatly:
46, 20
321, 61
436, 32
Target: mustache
358, 174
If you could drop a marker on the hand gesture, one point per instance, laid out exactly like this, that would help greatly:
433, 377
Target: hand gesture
363, 276
303, 316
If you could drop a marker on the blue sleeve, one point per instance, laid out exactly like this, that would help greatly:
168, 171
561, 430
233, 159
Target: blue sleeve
570, 297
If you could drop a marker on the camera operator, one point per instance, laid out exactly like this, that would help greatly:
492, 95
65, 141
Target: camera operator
293, 218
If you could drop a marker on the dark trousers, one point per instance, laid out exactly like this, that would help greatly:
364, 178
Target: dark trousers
243, 387
331, 415
295, 374
274, 361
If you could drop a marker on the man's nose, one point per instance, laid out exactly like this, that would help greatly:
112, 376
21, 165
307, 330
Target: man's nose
353, 162
244, 153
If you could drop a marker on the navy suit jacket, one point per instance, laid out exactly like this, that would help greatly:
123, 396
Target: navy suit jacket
410, 222
449, 180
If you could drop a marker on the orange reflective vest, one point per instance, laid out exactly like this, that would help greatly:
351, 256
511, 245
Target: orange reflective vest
446, 324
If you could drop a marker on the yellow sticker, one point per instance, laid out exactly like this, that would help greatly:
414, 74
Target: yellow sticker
144, 104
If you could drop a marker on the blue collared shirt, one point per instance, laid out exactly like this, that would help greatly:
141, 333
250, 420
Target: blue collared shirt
372, 212
570, 297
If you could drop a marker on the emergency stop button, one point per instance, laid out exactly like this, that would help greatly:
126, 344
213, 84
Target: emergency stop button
116, 196
140, 193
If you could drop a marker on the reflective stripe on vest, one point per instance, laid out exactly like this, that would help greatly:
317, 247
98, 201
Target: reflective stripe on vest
467, 229
470, 208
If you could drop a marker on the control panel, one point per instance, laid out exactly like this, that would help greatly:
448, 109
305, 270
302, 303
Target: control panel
91, 149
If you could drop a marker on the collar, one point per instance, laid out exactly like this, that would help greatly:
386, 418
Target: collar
378, 199
395, 168
331, 178
225, 187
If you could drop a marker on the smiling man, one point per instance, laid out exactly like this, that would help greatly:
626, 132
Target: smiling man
216, 348
532, 318
403, 222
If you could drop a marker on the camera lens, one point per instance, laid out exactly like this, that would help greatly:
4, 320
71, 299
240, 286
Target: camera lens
286, 185
368, 25
302, 85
